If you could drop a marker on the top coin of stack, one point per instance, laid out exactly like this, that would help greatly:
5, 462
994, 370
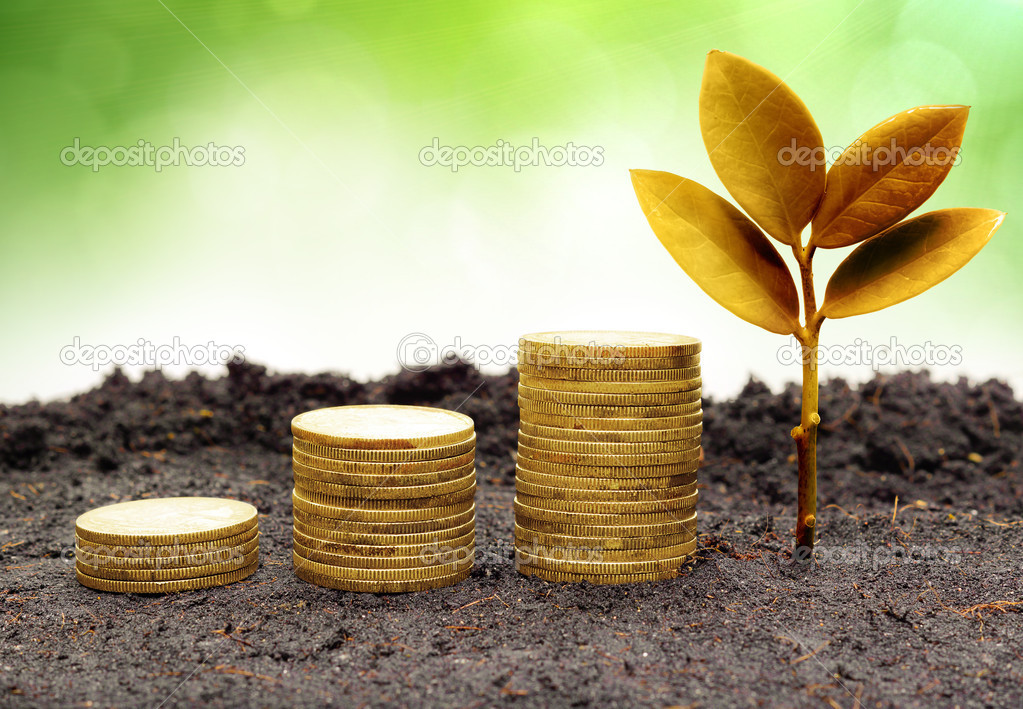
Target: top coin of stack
384, 497
609, 445
168, 544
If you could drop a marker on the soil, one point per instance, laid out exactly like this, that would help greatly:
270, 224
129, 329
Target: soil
915, 598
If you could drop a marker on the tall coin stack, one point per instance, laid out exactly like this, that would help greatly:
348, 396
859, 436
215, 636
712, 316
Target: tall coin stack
384, 497
609, 446
157, 545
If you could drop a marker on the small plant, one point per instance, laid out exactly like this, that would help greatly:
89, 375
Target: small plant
768, 153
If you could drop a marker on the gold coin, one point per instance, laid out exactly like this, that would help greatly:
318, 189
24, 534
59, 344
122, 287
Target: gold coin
608, 485
570, 566
526, 513
632, 388
549, 408
610, 361
382, 427
185, 572
555, 444
380, 551
191, 584
668, 508
355, 537
630, 544
145, 551
609, 531
627, 472
596, 459
585, 496
597, 579
362, 514
359, 492
354, 586
427, 558
199, 557
611, 375
582, 398
578, 434
627, 343
394, 471
410, 455
369, 503
169, 520
528, 509
325, 525
347, 572
581, 561
585, 423
390, 480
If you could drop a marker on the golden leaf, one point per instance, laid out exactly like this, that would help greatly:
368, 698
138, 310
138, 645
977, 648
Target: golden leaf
908, 259
720, 249
755, 129
887, 173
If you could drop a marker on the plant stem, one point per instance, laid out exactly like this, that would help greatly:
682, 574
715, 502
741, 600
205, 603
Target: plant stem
805, 434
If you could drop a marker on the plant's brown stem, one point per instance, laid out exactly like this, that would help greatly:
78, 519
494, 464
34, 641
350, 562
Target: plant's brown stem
805, 434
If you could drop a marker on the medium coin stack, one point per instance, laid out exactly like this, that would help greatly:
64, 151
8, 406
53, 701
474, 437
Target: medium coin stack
609, 445
384, 497
166, 544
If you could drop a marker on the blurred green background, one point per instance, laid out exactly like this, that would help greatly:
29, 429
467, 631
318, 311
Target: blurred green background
332, 242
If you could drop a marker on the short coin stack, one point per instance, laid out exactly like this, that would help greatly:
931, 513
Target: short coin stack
384, 497
609, 445
166, 544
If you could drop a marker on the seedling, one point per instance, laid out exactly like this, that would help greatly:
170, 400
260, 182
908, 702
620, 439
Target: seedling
768, 153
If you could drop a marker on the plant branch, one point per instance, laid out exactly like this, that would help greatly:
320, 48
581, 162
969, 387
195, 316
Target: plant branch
805, 434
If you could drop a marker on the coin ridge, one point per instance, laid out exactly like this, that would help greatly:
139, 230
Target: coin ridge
579, 434
136, 551
580, 398
397, 469
161, 562
584, 484
665, 506
379, 574
355, 586
175, 574
388, 480
606, 448
343, 526
165, 586
605, 568
608, 471
583, 496
608, 543
387, 505
596, 579
611, 361
387, 492
609, 460
586, 423
664, 386
394, 563
612, 375
378, 551
375, 515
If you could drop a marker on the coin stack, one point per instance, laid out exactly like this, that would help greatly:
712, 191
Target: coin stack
167, 544
609, 445
384, 497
